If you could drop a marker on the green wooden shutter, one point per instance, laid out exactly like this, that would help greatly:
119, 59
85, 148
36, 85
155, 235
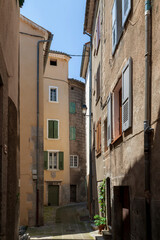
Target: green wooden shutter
50, 129
45, 160
55, 129
61, 161
72, 107
72, 133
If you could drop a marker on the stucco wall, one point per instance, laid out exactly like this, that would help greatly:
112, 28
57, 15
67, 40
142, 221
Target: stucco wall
28, 122
57, 76
9, 120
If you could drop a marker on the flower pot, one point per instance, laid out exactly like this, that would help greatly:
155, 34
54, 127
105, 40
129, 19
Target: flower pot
101, 227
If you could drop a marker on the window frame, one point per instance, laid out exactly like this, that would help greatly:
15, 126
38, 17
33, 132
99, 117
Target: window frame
74, 166
53, 151
98, 138
48, 129
116, 102
53, 87
73, 139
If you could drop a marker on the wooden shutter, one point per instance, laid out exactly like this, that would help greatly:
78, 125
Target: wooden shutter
72, 107
109, 119
126, 8
98, 83
45, 160
126, 95
55, 129
72, 133
61, 161
50, 129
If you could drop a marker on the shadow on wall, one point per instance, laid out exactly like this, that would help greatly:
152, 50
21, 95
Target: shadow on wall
135, 180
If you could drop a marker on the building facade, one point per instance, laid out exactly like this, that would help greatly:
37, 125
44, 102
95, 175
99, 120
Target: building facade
33, 40
56, 130
124, 102
77, 141
9, 119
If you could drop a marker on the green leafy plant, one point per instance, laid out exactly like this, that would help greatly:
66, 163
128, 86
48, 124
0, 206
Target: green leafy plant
98, 220
102, 198
21, 3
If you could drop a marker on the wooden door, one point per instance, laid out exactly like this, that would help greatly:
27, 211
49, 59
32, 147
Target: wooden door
72, 193
53, 195
125, 213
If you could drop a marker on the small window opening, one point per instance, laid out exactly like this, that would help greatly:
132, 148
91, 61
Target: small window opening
72, 88
53, 62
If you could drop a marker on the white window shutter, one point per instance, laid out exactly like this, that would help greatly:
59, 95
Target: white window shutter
126, 8
114, 26
109, 119
127, 95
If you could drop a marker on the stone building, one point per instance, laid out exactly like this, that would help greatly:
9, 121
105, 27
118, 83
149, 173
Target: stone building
34, 45
125, 107
77, 141
56, 130
9, 119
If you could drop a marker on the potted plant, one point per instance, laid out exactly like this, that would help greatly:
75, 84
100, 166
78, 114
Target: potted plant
100, 222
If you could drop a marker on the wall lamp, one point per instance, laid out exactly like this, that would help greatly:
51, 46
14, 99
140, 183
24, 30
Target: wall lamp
84, 111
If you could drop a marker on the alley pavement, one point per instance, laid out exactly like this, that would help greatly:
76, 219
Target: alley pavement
68, 222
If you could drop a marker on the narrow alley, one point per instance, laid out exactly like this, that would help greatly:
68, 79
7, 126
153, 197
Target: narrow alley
67, 222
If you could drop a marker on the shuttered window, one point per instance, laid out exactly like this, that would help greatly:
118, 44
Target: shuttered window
72, 133
126, 95
116, 23
72, 107
109, 119
98, 84
126, 8
98, 131
98, 32
53, 129
105, 135
53, 160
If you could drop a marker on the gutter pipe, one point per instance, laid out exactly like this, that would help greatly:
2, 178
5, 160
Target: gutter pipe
37, 130
147, 119
90, 129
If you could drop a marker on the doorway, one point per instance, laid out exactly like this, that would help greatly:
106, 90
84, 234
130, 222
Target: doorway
53, 195
72, 193
122, 212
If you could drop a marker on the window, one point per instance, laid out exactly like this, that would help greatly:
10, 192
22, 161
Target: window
120, 13
116, 23
53, 62
53, 94
53, 160
105, 135
98, 84
117, 110
98, 131
72, 107
121, 109
72, 133
126, 8
73, 161
53, 131
98, 32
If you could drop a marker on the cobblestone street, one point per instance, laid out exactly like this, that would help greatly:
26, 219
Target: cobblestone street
68, 222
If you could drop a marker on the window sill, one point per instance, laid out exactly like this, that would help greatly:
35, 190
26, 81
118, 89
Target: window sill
53, 138
53, 102
98, 154
116, 139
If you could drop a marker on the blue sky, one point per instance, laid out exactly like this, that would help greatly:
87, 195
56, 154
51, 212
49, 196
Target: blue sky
65, 19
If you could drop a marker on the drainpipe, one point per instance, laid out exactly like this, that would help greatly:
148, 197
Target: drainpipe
90, 124
37, 131
147, 120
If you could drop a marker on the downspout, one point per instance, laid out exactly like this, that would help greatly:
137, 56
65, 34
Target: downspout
90, 124
37, 130
147, 120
